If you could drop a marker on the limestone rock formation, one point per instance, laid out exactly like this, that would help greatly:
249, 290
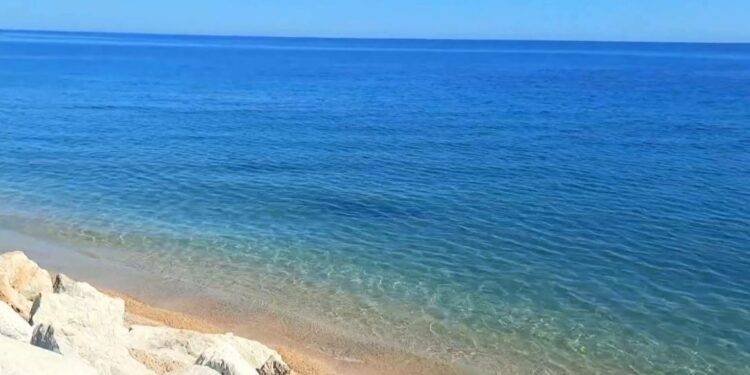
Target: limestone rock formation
17, 358
226, 360
21, 280
12, 325
85, 324
195, 370
72, 328
170, 344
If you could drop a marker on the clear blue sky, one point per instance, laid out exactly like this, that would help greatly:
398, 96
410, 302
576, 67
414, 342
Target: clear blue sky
664, 20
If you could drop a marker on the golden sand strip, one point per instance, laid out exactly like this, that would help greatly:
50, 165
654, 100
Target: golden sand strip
138, 312
302, 360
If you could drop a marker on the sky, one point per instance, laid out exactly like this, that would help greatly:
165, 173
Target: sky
621, 20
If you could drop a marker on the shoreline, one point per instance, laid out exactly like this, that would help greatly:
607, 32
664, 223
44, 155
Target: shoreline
309, 348
302, 359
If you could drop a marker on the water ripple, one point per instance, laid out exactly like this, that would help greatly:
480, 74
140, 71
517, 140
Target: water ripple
577, 214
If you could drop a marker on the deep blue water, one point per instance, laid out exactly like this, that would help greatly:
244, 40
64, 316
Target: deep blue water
543, 207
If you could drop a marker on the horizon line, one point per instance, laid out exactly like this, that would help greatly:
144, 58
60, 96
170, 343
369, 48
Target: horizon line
366, 38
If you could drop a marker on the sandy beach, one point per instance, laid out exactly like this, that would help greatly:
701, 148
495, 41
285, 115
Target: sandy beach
304, 353
309, 348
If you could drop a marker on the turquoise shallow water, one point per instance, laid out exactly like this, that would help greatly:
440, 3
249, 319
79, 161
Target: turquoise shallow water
537, 207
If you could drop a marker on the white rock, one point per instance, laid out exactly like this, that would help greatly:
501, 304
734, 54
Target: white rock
225, 359
184, 346
89, 325
274, 366
12, 325
170, 344
262, 358
195, 370
21, 280
25, 275
13, 298
98, 313
68, 286
17, 358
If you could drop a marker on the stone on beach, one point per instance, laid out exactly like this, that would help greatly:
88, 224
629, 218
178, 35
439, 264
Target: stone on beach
225, 359
75, 329
169, 344
12, 325
66, 285
21, 280
85, 324
267, 361
156, 364
25, 275
17, 358
195, 370
274, 366
102, 314
184, 346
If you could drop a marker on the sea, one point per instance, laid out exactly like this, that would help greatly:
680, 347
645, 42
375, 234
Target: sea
530, 207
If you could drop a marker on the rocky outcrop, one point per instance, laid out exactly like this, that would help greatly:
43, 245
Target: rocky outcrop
226, 360
195, 370
12, 325
274, 366
21, 280
156, 364
66, 285
85, 324
170, 344
18, 358
258, 355
75, 329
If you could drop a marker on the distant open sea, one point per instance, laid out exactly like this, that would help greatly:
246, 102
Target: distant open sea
527, 207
